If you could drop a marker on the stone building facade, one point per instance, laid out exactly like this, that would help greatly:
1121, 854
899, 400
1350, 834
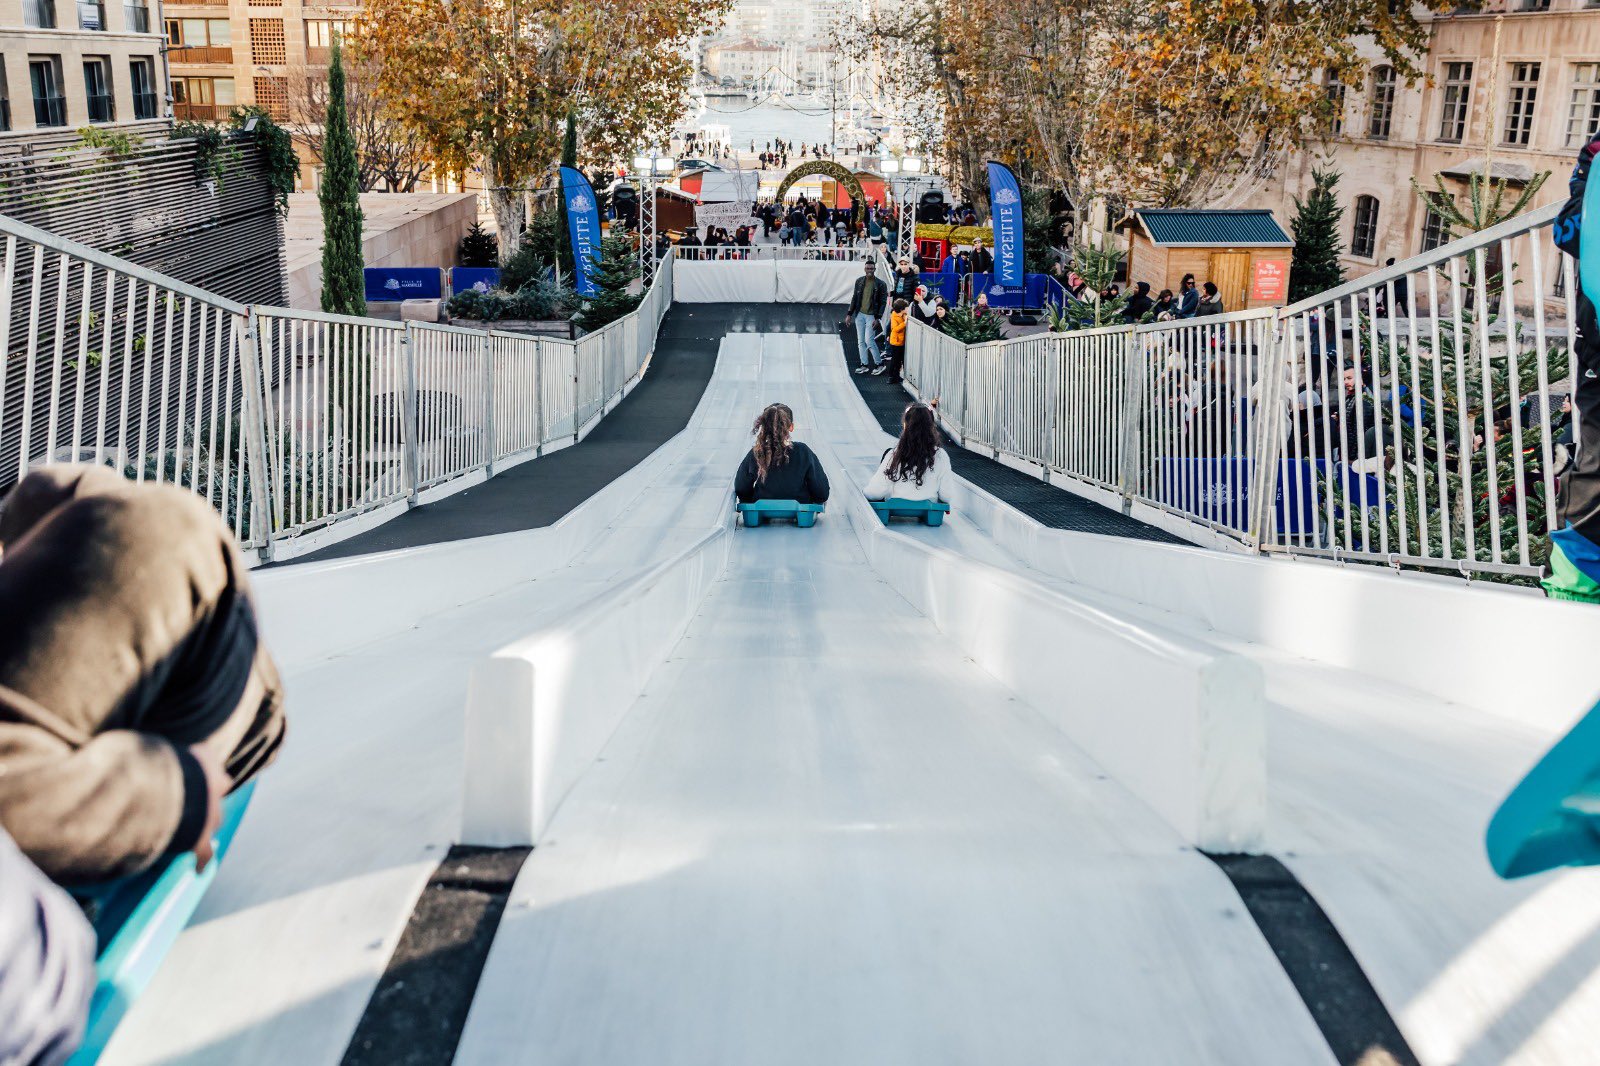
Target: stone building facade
1526, 114
70, 64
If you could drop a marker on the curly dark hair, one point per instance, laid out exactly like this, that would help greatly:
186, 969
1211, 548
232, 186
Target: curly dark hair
772, 430
918, 446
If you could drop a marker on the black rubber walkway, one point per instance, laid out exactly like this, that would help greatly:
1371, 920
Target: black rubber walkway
1043, 503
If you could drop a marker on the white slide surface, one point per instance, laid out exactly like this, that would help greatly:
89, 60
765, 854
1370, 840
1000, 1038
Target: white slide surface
825, 834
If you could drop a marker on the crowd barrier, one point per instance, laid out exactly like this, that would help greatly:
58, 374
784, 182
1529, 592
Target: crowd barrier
299, 427
1412, 417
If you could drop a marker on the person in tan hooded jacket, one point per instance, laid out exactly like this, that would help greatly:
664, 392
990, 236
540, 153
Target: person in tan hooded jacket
135, 690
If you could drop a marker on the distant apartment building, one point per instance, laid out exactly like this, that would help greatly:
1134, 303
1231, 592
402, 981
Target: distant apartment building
257, 52
67, 64
742, 62
1527, 114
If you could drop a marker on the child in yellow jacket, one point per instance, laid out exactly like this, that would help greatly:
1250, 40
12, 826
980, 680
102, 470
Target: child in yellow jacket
897, 340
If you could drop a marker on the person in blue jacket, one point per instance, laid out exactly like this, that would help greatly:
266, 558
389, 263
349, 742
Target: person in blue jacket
1575, 546
1188, 298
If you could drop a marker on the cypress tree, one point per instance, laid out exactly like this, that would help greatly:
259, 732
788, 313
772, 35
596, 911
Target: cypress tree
1316, 238
340, 195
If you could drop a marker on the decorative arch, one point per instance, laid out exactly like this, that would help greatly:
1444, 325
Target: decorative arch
828, 169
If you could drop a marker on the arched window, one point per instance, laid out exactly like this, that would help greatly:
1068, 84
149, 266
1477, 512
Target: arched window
1380, 109
1435, 231
1364, 239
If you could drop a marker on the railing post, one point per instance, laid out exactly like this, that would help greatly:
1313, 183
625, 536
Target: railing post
253, 428
1133, 387
490, 450
411, 465
538, 396
1268, 439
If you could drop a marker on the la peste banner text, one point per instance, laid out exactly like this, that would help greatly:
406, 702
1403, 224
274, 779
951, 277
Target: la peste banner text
583, 227
1005, 208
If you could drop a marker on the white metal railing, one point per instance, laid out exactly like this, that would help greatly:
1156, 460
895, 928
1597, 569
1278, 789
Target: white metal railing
287, 421
1359, 424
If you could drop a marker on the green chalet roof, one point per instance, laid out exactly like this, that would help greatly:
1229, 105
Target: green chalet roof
1180, 228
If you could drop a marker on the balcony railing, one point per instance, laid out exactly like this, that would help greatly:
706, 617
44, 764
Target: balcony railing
195, 112
146, 105
102, 107
201, 54
138, 18
49, 111
91, 16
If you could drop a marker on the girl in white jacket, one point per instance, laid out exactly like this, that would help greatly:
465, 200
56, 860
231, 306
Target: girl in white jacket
916, 468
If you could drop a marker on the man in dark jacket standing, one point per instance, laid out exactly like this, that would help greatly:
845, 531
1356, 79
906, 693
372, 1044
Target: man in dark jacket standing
982, 261
867, 302
1575, 547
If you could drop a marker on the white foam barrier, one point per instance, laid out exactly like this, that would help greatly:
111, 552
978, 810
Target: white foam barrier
540, 710
1179, 723
1505, 651
811, 281
721, 281
310, 611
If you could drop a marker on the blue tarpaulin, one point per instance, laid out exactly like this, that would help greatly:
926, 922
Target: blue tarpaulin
388, 284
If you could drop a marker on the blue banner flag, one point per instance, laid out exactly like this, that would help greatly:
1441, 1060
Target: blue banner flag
1005, 208
583, 226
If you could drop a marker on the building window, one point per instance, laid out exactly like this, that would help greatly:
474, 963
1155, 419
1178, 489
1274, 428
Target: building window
91, 15
202, 99
200, 40
1335, 91
97, 90
273, 95
49, 106
321, 32
1457, 96
1435, 231
1364, 239
1381, 107
1535, 5
137, 16
266, 42
1520, 100
1583, 114
142, 75
39, 14
5, 99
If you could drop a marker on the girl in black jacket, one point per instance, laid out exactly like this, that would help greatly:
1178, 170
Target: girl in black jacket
779, 468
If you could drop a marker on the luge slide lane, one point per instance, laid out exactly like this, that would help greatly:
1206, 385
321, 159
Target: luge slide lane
840, 823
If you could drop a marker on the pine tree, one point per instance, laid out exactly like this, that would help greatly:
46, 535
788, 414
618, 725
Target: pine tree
612, 273
478, 248
342, 291
1316, 238
1098, 269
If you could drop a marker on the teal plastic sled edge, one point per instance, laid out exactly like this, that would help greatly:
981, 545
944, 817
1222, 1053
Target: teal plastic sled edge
140, 919
1552, 817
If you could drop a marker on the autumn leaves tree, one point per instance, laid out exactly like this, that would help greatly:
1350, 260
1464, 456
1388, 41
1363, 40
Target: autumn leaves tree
489, 83
1163, 103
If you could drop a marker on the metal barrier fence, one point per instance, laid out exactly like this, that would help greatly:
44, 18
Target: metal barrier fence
287, 421
1412, 417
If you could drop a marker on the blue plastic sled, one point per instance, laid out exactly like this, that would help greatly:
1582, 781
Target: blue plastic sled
137, 920
1552, 817
803, 515
928, 512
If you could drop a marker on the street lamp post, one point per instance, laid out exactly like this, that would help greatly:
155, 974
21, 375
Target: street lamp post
649, 169
905, 172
